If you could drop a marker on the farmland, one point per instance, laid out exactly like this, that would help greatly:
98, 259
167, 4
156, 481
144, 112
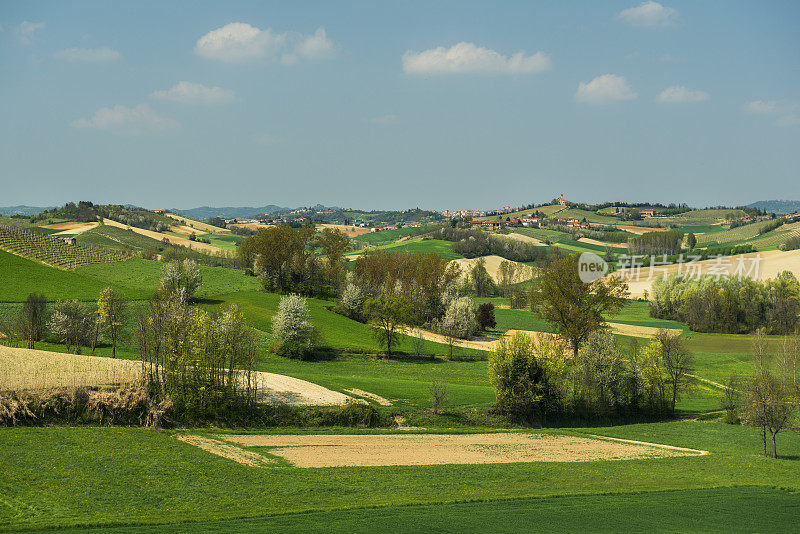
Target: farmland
465, 462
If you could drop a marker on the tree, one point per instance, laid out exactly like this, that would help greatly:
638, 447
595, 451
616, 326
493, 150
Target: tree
482, 283
352, 298
438, 394
766, 405
292, 328
485, 316
111, 309
678, 363
32, 319
387, 314
573, 307
459, 320
519, 378
73, 323
691, 241
180, 280
334, 243
731, 400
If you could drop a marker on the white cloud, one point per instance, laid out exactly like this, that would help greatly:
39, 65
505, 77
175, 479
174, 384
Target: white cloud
88, 54
239, 42
467, 58
604, 89
649, 14
195, 94
680, 94
316, 46
762, 108
26, 31
786, 113
384, 119
126, 121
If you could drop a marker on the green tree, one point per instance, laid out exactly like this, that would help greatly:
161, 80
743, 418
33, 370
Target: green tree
767, 405
111, 309
388, 314
574, 308
181, 280
678, 364
485, 316
691, 241
73, 323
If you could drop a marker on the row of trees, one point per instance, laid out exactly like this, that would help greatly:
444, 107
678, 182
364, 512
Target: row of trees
476, 243
669, 242
536, 379
729, 305
289, 260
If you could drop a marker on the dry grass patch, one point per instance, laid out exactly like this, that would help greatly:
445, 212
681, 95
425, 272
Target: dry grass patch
435, 449
182, 241
349, 231
492, 264
72, 228
226, 450
27, 369
371, 396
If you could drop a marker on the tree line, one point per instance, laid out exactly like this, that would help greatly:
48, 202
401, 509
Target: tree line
476, 243
730, 305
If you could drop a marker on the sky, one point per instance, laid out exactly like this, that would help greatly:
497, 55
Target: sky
395, 105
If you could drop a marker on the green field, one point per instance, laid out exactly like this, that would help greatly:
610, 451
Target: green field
70, 477
112, 236
438, 246
390, 236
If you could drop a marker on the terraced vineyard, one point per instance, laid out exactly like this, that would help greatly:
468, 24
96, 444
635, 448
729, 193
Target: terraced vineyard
779, 236
55, 251
741, 233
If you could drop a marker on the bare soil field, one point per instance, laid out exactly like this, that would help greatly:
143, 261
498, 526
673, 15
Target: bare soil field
639, 230
602, 243
251, 226
72, 228
525, 239
226, 450
492, 264
772, 262
281, 389
371, 396
199, 225
182, 241
185, 230
316, 450
349, 231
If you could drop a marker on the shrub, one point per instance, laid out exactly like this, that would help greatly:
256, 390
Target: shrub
293, 331
459, 319
485, 316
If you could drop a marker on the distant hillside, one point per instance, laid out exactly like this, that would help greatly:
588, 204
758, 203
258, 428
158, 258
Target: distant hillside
23, 210
206, 212
777, 206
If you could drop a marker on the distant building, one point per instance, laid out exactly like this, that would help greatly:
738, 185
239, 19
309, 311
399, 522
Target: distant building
561, 200
648, 213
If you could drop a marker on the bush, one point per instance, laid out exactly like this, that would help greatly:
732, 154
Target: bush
294, 333
485, 316
459, 319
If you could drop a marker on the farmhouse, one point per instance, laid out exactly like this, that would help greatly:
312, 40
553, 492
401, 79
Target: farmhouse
648, 213
527, 220
486, 225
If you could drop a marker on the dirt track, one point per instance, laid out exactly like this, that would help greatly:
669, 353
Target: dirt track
318, 450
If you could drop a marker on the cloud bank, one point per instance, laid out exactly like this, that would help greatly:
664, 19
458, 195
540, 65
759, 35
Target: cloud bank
468, 58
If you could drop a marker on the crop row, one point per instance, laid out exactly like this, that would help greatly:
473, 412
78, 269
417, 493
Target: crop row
53, 250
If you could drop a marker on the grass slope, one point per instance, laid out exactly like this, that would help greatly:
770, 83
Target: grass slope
70, 477
22, 277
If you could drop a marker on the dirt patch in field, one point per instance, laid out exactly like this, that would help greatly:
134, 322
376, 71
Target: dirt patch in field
485, 344
185, 230
638, 331
199, 225
525, 239
349, 231
226, 450
371, 396
492, 264
282, 389
602, 243
182, 241
639, 230
72, 228
435, 449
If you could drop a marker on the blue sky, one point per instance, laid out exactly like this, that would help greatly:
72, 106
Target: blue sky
392, 105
